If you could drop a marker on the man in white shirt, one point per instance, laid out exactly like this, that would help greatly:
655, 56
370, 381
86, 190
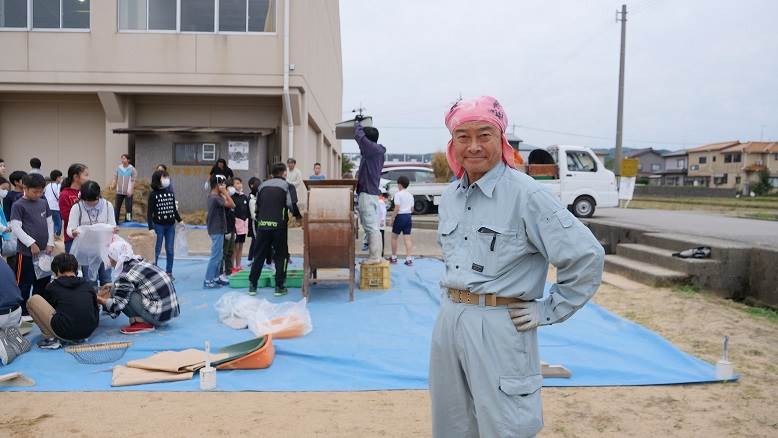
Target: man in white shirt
295, 178
402, 224
51, 192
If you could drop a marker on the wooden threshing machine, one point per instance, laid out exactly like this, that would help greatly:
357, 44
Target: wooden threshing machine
329, 227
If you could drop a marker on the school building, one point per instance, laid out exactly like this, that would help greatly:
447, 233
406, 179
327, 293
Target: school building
180, 82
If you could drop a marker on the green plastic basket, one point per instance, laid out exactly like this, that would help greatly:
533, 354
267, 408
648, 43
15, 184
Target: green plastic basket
239, 283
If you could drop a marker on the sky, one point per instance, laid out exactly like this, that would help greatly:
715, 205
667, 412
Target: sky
697, 71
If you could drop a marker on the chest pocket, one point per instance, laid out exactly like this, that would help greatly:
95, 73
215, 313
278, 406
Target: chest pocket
496, 248
447, 232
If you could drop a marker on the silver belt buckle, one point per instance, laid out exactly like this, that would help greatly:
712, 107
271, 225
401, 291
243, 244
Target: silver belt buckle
481, 300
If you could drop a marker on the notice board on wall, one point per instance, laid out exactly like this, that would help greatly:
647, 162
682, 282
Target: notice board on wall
238, 155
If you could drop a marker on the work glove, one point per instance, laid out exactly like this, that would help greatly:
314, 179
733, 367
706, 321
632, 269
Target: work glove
525, 315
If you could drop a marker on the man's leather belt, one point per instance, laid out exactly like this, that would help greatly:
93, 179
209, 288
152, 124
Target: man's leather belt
467, 297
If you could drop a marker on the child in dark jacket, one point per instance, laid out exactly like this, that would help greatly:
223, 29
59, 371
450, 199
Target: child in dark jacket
67, 308
162, 216
242, 215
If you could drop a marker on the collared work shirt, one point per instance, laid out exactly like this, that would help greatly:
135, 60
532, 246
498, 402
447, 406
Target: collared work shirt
499, 235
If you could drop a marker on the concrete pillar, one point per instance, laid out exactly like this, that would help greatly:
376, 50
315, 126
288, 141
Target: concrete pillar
119, 113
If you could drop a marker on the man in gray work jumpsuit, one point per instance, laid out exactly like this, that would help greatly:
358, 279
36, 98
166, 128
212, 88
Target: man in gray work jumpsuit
499, 230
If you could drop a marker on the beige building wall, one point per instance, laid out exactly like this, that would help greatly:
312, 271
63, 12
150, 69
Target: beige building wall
58, 129
144, 78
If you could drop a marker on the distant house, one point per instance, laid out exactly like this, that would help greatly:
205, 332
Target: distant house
675, 169
702, 160
733, 164
650, 162
739, 165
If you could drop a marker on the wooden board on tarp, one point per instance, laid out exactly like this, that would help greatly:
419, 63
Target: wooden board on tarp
554, 371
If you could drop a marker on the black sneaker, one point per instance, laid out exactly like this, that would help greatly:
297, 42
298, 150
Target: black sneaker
49, 344
281, 291
252, 290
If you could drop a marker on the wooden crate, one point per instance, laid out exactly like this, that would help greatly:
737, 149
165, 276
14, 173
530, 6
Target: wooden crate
375, 276
542, 170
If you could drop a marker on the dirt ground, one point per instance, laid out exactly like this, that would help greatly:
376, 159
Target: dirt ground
694, 322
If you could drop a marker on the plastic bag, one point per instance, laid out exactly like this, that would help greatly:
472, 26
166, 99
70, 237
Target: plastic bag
283, 320
10, 246
181, 242
90, 247
42, 265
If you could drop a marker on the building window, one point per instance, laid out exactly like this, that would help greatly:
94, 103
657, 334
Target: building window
60, 14
773, 181
737, 180
703, 160
13, 14
656, 167
44, 14
680, 164
718, 180
197, 15
775, 157
732, 158
695, 167
194, 153
714, 158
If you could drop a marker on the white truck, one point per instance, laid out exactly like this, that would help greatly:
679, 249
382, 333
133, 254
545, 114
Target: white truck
574, 175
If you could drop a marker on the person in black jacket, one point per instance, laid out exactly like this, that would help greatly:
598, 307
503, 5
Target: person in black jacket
275, 200
254, 184
229, 236
162, 215
67, 309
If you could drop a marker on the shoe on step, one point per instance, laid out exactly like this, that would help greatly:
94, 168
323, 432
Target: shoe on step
252, 290
211, 285
281, 291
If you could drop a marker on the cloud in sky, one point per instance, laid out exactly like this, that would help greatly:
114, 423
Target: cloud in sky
697, 71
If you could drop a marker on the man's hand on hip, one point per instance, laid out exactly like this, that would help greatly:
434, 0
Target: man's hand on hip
525, 314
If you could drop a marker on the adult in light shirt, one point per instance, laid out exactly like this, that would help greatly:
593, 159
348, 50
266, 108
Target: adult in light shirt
295, 177
499, 230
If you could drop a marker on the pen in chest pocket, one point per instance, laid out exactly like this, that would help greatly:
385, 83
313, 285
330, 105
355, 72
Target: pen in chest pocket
494, 234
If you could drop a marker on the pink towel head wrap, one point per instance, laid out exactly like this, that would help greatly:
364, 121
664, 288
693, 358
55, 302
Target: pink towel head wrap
483, 109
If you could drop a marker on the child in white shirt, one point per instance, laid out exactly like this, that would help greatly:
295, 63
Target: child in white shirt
382, 219
402, 224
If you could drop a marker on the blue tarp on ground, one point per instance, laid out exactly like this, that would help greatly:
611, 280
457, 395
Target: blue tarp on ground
378, 342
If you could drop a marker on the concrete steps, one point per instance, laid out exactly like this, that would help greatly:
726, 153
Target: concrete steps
643, 272
664, 258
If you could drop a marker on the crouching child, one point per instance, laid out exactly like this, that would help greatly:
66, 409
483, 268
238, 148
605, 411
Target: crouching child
67, 309
141, 290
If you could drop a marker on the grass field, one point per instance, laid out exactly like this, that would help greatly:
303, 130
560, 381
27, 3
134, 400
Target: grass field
762, 208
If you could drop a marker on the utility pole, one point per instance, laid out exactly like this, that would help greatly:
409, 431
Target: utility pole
620, 113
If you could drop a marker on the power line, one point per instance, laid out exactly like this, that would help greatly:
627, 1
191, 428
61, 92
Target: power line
554, 131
